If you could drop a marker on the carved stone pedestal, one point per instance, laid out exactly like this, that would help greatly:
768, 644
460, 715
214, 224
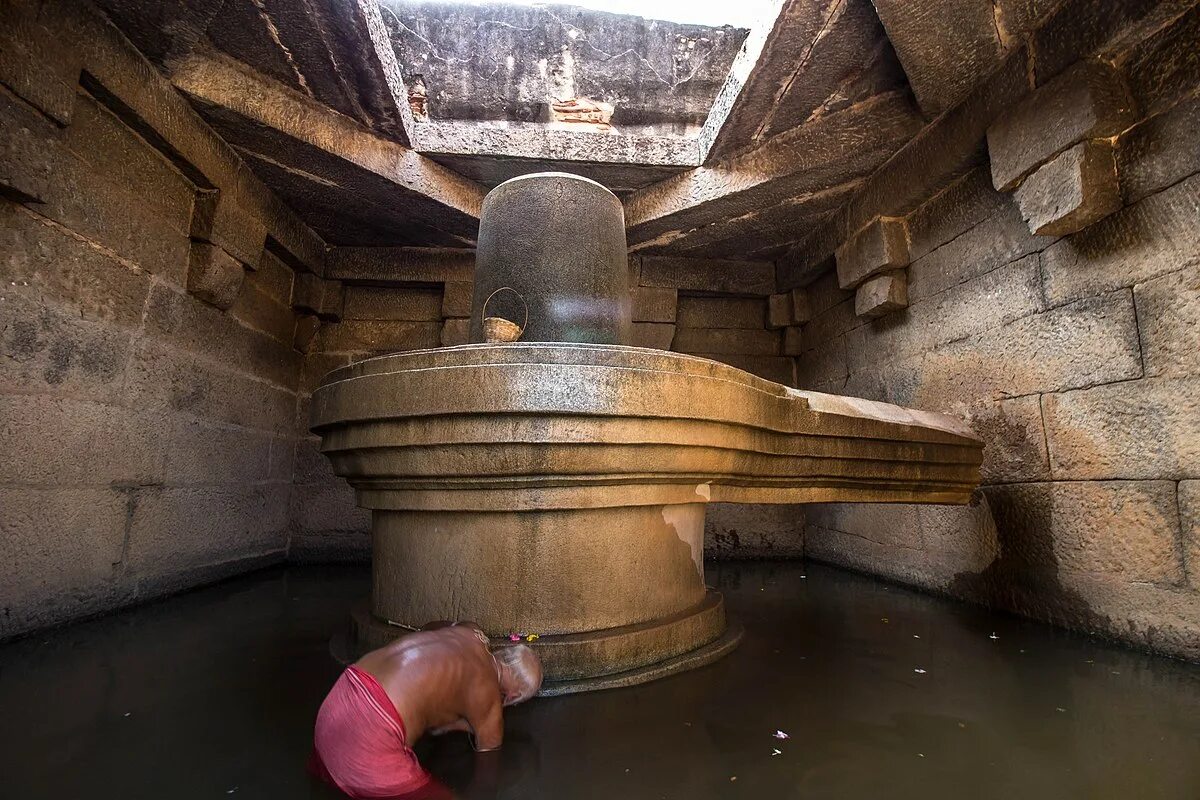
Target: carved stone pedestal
559, 489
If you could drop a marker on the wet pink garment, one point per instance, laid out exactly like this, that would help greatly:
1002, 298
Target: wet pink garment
360, 744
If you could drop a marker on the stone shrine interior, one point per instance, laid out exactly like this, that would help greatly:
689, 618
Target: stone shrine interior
813, 385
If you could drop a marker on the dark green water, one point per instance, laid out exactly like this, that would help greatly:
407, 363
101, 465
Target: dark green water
212, 695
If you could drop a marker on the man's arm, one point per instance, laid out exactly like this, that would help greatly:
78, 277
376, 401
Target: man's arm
488, 727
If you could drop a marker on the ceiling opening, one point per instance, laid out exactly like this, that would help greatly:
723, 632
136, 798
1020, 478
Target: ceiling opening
599, 66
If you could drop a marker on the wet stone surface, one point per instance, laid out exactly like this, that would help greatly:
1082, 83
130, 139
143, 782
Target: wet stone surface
881, 691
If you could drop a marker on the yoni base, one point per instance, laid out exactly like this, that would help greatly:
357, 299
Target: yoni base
602, 659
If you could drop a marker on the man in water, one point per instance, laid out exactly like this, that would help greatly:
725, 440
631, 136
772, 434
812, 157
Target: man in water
440, 679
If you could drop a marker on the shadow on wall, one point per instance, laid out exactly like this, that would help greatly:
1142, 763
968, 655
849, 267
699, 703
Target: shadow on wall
1024, 576
735, 531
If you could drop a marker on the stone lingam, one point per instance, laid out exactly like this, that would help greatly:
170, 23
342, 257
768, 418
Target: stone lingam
557, 485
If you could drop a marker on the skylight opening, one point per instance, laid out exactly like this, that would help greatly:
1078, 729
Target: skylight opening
601, 66
691, 12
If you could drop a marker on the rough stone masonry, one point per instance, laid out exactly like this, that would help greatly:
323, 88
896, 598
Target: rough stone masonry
980, 207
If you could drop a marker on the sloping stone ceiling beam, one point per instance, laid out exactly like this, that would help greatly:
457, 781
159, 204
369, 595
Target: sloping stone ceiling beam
326, 162
812, 57
827, 152
945, 46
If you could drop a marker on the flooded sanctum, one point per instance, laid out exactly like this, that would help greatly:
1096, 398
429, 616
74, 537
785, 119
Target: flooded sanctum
879, 691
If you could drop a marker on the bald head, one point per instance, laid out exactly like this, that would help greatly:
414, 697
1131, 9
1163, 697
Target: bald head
520, 673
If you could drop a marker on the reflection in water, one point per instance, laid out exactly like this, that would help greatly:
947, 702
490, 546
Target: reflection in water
216, 691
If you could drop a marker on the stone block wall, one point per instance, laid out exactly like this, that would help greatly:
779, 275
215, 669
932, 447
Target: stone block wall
148, 375
399, 299
1073, 353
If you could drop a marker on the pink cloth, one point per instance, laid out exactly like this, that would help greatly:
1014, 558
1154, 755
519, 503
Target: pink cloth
360, 744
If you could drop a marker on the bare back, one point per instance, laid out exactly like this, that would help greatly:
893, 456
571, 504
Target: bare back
440, 680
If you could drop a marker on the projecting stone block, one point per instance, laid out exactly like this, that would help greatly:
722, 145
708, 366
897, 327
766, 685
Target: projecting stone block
216, 218
879, 247
801, 306
779, 311
881, 295
456, 299
654, 304
1088, 101
456, 331
214, 276
306, 332
653, 334
1070, 192
793, 341
321, 297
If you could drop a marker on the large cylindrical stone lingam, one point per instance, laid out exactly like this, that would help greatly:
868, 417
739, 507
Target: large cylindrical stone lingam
558, 241
557, 485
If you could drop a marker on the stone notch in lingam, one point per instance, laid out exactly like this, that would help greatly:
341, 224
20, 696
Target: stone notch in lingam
557, 485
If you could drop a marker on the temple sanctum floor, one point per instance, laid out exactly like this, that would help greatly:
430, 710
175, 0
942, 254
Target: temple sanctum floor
882, 692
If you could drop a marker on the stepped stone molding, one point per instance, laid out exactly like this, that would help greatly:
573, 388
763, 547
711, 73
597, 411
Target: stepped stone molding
618, 450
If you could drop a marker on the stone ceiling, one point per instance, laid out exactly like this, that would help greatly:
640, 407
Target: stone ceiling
721, 142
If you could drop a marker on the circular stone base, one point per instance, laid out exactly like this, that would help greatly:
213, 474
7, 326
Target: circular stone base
714, 650
594, 660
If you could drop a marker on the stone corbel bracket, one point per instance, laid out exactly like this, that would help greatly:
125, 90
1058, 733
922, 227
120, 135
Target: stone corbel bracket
227, 240
874, 263
789, 311
1055, 149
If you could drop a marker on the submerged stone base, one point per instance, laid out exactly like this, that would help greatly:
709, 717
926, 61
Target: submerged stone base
560, 489
598, 659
